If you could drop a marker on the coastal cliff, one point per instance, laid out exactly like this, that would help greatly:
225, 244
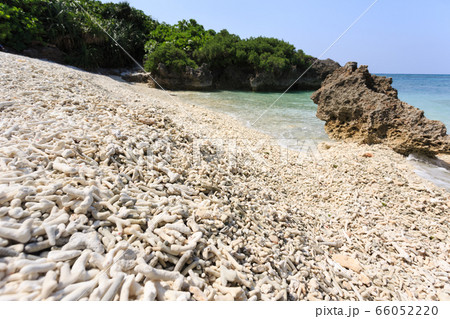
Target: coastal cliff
361, 107
311, 80
191, 79
235, 78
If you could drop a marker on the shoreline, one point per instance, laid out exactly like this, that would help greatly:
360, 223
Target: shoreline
436, 170
418, 167
279, 217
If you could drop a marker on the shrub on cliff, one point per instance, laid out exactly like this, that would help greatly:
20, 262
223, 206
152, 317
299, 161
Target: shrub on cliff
269, 54
220, 51
273, 55
177, 42
185, 35
175, 59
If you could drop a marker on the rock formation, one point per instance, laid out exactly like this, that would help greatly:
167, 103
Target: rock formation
362, 107
191, 79
311, 80
139, 77
235, 78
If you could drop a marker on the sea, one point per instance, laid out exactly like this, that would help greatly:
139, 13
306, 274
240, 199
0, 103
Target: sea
292, 116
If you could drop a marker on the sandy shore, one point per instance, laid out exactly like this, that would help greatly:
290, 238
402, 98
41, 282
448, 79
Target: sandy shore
114, 191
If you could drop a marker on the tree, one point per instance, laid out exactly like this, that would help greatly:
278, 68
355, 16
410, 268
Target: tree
17, 27
219, 51
175, 59
179, 41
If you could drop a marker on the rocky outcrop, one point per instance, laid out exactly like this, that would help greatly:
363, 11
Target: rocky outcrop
311, 80
235, 78
319, 71
139, 77
232, 78
49, 53
191, 79
361, 107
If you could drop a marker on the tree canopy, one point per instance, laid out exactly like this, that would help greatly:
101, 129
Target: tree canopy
220, 50
64, 24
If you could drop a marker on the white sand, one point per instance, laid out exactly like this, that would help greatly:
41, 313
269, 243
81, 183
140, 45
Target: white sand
347, 222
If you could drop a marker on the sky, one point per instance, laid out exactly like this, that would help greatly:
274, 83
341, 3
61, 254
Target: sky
394, 36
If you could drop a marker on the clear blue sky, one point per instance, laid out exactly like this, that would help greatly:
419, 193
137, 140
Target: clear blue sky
395, 36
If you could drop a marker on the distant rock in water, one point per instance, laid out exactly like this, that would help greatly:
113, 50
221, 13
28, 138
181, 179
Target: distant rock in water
361, 107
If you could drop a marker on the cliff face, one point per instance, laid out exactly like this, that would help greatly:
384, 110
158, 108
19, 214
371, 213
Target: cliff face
311, 80
361, 107
191, 79
234, 78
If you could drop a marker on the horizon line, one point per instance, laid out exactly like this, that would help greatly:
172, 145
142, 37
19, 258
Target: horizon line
411, 73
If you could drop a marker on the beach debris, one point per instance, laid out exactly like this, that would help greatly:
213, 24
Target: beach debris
347, 262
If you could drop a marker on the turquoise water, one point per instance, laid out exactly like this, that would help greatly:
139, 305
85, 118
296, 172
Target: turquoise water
293, 116
429, 92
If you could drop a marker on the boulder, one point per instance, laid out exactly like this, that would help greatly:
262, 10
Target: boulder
361, 107
319, 71
139, 77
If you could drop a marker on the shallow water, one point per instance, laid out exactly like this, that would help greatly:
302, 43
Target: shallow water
293, 116
431, 93
434, 170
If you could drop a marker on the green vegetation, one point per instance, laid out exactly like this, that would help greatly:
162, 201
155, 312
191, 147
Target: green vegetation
62, 23
175, 45
18, 27
194, 46
168, 54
